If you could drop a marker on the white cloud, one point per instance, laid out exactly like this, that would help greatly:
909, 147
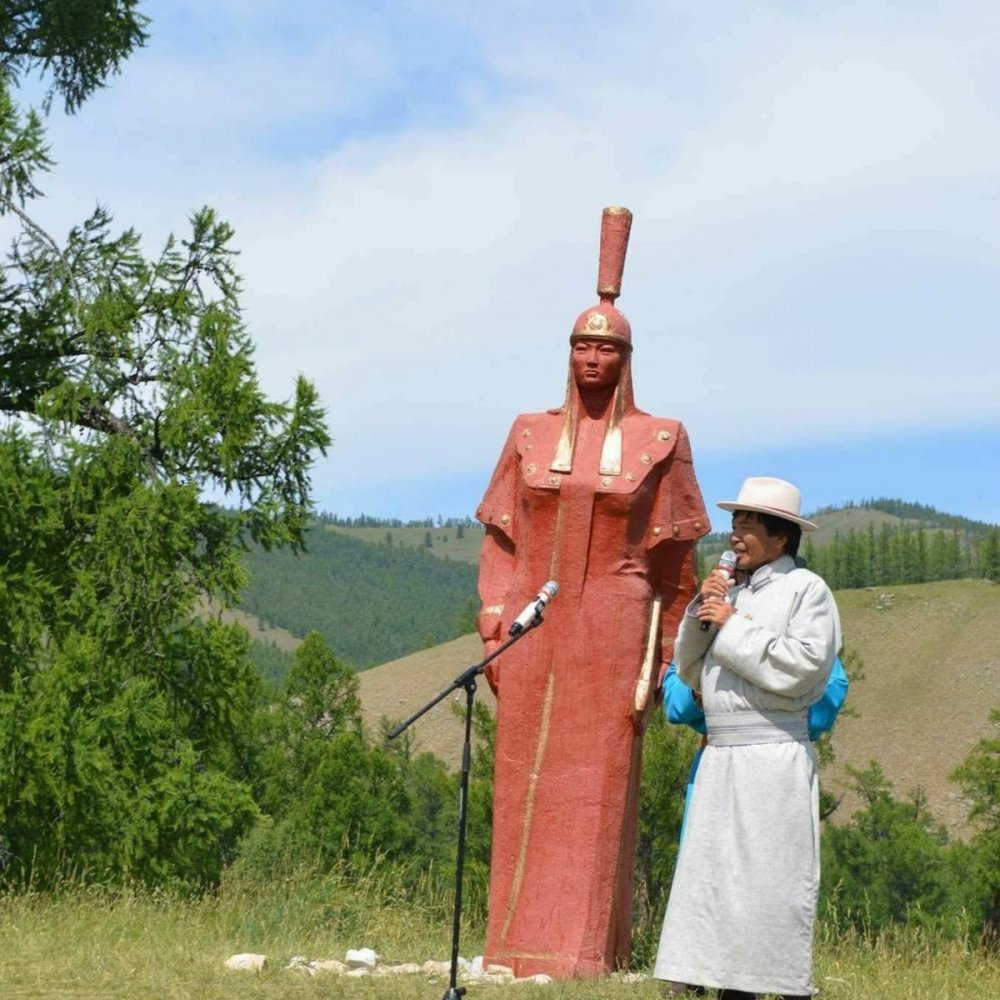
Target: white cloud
814, 206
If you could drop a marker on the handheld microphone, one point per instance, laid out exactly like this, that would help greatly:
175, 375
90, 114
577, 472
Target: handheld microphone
727, 563
535, 608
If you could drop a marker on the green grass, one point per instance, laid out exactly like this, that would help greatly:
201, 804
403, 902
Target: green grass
90, 944
94, 943
908, 964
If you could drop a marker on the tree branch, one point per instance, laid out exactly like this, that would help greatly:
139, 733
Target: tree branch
43, 235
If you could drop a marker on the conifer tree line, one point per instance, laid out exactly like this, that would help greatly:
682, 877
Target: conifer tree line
892, 555
369, 521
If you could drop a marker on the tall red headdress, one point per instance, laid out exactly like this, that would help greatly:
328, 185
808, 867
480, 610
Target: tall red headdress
603, 322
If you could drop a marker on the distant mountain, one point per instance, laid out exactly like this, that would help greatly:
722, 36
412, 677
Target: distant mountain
916, 514
371, 601
381, 590
459, 542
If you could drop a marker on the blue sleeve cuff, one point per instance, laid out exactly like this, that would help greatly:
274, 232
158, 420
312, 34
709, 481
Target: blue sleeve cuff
679, 703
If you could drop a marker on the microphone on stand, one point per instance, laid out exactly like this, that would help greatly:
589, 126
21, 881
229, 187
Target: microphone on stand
535, 607
727, 563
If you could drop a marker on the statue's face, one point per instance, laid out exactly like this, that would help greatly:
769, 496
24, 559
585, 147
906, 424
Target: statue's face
597, 364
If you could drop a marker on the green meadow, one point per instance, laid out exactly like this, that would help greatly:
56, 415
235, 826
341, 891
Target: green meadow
92, 944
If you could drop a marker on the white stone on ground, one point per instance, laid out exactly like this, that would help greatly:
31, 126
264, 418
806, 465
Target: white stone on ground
436, 968
361, 958
362, 962
246, 961
328, 965
406, 969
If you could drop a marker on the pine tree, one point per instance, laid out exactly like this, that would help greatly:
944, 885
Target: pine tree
989, 556
887, 569
920, 558
979, 778
128, 393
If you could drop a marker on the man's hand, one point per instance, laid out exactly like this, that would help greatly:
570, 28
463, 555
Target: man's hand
713, 607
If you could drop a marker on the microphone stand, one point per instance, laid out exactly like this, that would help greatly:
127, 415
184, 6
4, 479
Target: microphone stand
467, 680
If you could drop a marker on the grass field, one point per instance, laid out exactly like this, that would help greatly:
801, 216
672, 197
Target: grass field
445, 544
932, 675
89, 945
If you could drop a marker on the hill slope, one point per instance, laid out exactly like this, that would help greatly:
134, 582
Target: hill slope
370, 602
445, 543
398, 689
932, 674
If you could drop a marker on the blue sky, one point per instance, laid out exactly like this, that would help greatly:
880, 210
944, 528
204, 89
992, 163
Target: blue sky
417, 189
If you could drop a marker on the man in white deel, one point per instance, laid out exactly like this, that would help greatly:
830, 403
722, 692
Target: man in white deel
743, 900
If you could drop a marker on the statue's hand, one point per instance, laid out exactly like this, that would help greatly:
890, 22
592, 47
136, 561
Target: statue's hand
488, 624
492, 669
643, 703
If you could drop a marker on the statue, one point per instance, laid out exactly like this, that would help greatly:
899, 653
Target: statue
602, 498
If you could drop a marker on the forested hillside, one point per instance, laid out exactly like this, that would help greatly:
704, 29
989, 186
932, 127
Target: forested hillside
916, 514
371, 602
891, 556
381, 589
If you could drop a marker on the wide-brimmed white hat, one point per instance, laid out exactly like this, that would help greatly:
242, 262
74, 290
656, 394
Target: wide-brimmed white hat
770, 496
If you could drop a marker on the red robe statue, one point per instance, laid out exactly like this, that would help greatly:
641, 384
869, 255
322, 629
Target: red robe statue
602, 498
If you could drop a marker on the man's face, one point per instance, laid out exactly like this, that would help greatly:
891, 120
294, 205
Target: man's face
596, 364
752, 544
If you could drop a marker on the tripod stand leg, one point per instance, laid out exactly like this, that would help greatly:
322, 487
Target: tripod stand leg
465, 680
455, 991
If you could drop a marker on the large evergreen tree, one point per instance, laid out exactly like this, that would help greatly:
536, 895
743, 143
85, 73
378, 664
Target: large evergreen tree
989, 556
128, 399
979, 778
890, 864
